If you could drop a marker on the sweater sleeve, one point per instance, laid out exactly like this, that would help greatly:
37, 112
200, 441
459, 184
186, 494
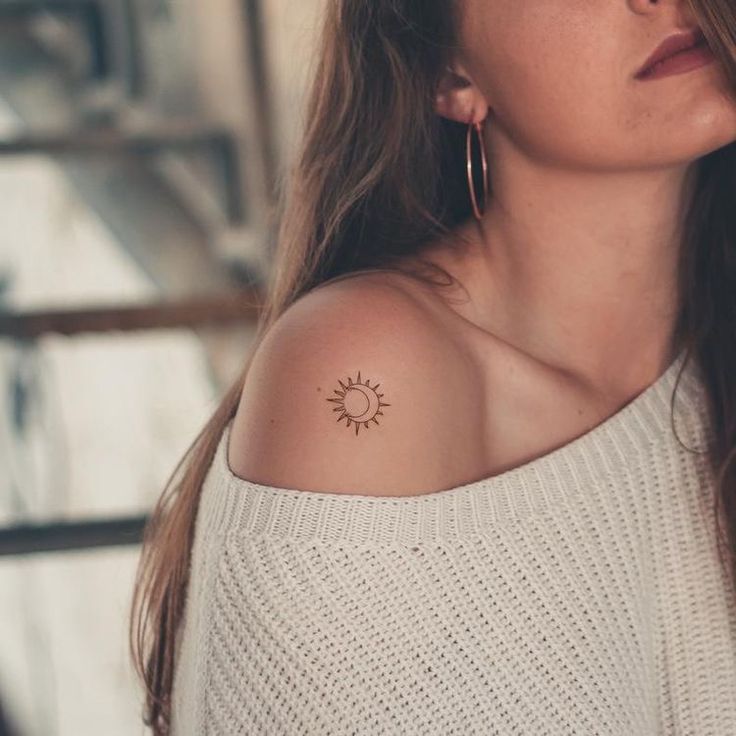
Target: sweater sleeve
315, 638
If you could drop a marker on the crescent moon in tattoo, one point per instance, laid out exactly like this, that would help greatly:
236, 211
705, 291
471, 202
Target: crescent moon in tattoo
358, 402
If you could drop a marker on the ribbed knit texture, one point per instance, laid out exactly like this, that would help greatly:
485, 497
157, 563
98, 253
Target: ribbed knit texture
579, 593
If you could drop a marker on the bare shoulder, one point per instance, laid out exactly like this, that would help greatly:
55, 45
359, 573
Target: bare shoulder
355, 389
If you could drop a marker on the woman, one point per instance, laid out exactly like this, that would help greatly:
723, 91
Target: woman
418, 513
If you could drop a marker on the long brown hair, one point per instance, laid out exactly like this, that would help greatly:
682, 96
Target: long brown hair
378, 175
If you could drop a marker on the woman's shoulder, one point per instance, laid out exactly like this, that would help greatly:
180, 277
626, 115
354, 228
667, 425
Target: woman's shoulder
355, 389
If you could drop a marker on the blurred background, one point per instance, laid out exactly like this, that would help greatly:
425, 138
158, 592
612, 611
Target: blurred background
141, 143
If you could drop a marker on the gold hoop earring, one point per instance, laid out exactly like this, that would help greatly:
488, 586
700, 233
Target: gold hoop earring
479, 130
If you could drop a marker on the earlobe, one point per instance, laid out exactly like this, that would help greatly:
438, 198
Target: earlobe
458, 99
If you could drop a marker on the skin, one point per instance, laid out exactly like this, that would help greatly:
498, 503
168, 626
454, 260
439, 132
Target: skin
572, 267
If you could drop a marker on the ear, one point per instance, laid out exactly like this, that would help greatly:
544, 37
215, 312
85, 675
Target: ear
458, 98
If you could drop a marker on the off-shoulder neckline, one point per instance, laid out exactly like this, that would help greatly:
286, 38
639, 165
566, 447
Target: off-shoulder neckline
533, 486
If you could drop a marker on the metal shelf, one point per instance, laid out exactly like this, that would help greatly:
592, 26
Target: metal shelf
65, 536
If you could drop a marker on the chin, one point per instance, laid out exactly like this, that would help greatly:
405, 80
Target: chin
706, 138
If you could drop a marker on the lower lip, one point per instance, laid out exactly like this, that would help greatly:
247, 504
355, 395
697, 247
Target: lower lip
680, 63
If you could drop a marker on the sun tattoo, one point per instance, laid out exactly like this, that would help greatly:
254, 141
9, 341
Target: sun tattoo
359, 403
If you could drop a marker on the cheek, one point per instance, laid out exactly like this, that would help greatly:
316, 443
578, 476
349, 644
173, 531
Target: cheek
554, 105
553, 75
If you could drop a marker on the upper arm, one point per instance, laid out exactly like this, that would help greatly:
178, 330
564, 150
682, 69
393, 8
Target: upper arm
303, 425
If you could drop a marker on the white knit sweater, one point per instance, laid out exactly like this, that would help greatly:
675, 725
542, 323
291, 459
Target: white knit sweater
580, 593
